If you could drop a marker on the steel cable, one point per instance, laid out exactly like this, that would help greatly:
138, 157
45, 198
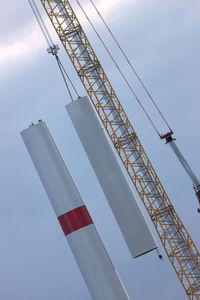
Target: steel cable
51, 45
117, 66
130, 64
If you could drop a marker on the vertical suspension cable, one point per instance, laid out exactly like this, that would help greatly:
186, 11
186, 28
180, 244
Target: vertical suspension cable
52, 47
117, 66
65, 72
130, 64
40, 23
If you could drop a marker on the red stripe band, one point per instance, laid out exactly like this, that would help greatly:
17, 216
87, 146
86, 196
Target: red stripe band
75, 219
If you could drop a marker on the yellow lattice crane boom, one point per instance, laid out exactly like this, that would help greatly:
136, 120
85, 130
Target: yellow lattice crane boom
179, 246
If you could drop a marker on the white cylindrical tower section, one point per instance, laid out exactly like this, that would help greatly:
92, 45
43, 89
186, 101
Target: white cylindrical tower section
111, 177
92, 258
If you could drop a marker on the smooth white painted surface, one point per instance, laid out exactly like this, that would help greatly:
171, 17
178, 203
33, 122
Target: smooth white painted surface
91, 256
51, 168
111, 177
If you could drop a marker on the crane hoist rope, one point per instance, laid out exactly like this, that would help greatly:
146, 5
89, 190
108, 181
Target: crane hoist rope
119, 69
63, 75
131, 65
52, 48
177, 242
41, 23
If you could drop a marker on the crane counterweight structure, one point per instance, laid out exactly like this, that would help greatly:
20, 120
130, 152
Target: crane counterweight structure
178, 244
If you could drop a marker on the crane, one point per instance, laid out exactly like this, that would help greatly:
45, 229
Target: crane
178, 244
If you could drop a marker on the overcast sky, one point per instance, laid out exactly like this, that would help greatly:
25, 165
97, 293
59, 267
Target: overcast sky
162, 40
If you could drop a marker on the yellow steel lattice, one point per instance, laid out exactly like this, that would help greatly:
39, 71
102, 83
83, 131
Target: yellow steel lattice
177, 242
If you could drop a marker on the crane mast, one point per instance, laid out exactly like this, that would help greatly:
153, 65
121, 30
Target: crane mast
178, 244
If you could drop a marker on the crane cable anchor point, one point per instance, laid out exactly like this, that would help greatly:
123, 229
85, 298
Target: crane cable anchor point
53, 49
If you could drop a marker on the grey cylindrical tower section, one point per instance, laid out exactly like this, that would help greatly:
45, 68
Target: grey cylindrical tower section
111, 177
92, 258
